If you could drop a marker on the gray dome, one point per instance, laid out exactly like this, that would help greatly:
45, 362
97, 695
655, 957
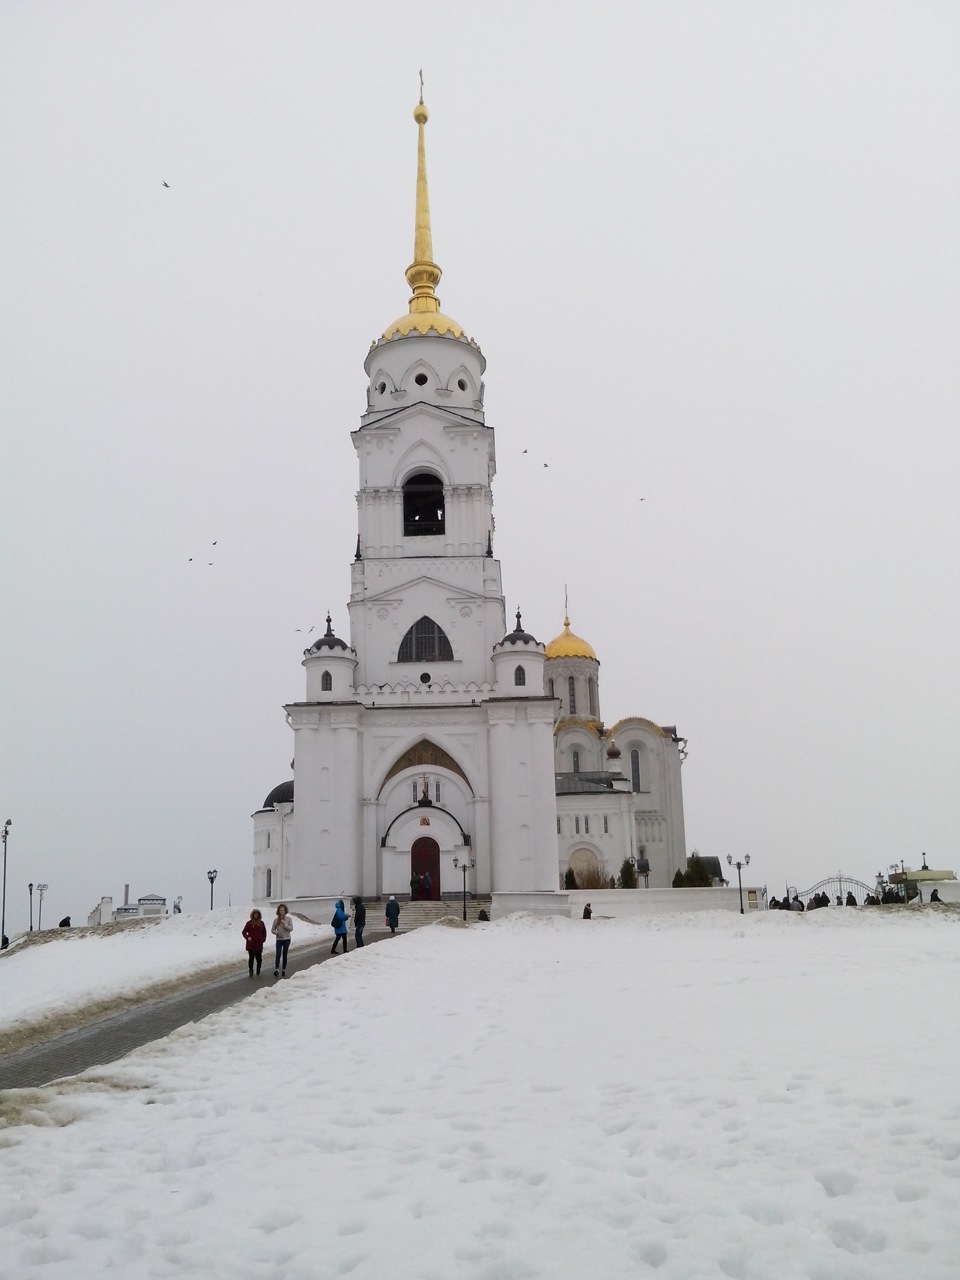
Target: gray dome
279, 795
328, 640
518, 635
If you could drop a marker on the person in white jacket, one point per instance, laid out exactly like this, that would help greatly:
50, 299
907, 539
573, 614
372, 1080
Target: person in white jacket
282, 928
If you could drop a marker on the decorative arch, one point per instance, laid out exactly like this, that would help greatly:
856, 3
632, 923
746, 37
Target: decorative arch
462, 374
409, 380
420, 456
425, 754
381, 379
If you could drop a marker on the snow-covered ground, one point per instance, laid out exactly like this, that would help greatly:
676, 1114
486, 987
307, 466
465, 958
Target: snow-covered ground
689, 1096
73, 969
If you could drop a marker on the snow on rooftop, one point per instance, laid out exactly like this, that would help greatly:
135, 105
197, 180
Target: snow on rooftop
685, 1096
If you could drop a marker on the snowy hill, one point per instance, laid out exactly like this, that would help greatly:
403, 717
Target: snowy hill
687, 1096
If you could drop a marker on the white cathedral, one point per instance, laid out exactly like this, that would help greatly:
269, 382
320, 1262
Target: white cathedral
438, 739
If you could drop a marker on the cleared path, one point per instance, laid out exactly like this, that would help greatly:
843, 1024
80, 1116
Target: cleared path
110, 1038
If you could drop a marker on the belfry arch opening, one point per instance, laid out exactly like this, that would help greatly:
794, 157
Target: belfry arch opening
426, 641
423, 506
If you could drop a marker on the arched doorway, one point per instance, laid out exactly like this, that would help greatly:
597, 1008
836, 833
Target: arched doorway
424, 861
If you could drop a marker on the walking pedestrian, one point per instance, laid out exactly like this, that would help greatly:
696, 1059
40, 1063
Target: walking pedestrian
427, 886
393, 913
588, 912
282, 928
339, 923
255, 932
359, 919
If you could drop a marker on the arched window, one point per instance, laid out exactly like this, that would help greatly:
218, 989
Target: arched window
586, 824
519, 676
422, 505
576, 826
326, 682
592, 695
576, 762
635, 769
571, 697
269, 881
416, 793
425, 642
268, 839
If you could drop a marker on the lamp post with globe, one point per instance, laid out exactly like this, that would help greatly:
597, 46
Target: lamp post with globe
739, 865
211, 876
465, 866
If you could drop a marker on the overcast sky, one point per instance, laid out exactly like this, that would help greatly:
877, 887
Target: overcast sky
711, 254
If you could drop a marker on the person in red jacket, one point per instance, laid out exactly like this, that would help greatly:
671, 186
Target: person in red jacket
255, 932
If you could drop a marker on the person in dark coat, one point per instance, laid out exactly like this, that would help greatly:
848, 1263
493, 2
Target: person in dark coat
588, 912
427, 886
414, 886
935, 896
339, 923
255, 932
359, 919
393, 913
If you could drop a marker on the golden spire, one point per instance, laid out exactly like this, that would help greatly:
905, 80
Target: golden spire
423, 274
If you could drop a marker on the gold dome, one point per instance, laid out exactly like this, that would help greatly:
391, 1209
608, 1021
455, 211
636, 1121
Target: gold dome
569, 645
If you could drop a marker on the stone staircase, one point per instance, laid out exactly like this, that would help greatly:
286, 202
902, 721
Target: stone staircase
415, 914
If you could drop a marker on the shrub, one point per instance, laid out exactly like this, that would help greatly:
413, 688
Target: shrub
628, 875
696, 876
594, 878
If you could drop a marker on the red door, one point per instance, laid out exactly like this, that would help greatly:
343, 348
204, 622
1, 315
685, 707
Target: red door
425, 862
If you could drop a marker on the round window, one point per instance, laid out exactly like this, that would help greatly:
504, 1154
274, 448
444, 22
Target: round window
462, 384
424, 677
421, 379
382, 387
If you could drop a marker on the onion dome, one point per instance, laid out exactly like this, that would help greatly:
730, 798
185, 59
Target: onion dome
613, 752
423, 275
569, 645
328, 640
283, 794
518, 635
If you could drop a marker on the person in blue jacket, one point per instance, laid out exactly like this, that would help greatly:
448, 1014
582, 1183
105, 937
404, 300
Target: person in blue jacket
339, 923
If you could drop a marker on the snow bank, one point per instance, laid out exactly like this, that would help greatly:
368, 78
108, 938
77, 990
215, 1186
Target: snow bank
698, 1097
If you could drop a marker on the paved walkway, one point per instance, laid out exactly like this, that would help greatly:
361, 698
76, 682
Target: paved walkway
110, 1038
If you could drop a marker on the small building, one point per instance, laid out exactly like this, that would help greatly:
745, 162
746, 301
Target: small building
150, 905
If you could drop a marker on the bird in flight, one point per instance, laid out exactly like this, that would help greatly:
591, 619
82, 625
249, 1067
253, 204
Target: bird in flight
546, 464
166, 184
525, 451
213, 544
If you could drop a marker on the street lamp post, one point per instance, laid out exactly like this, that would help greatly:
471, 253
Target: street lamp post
641, 866
30, 891
41, 890
739, 865
211, 876
465, 866
3, 911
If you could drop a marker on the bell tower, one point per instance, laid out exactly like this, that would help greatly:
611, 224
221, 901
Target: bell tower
426, 597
